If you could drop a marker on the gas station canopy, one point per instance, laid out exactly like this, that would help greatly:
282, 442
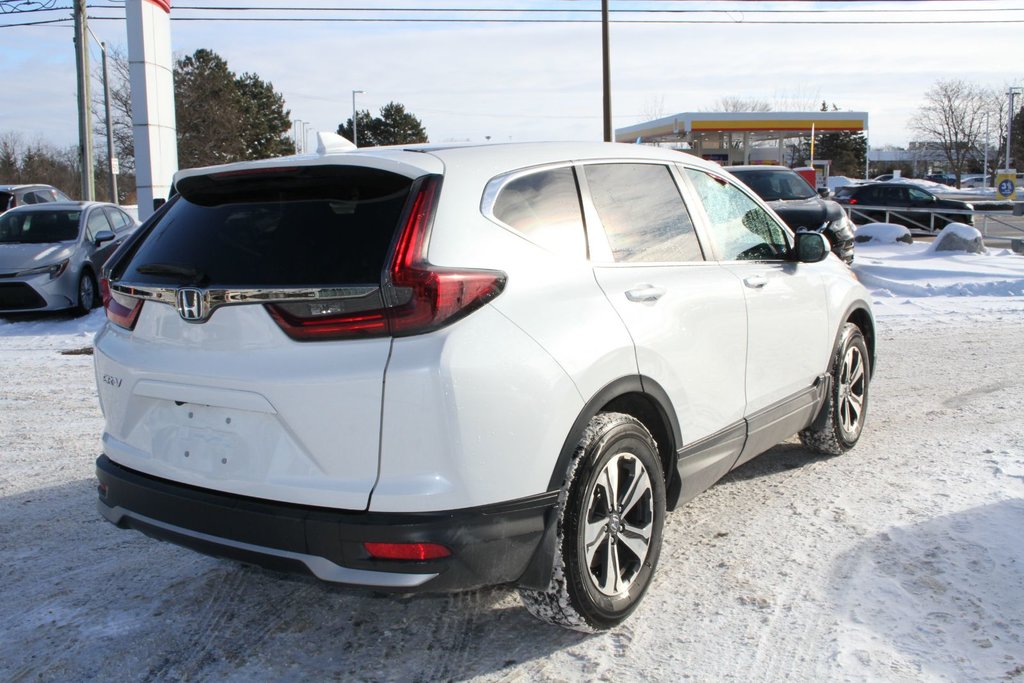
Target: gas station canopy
717, 135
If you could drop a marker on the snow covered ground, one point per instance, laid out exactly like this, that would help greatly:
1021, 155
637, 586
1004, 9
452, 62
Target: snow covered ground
900, 561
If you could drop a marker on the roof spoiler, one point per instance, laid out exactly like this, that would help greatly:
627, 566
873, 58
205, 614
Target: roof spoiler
332, 143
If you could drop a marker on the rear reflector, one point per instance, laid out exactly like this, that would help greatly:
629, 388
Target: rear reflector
414, 552
122, 310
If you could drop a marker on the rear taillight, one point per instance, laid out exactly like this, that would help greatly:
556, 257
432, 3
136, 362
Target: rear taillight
851, 201
419, 297
122, 310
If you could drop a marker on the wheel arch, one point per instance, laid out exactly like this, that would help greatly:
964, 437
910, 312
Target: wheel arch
642, 398
859, 315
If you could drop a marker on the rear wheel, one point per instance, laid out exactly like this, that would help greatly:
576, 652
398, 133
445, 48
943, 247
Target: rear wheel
611, 515
848, 401
86, 293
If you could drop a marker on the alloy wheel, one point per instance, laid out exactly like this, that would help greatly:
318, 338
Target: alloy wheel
618, 524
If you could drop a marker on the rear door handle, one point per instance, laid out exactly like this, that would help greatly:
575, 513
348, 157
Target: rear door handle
755, 281
642, 293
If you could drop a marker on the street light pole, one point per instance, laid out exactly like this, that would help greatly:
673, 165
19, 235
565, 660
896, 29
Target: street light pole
1009, 121
984, 168
111, 159
297, 127
355, 126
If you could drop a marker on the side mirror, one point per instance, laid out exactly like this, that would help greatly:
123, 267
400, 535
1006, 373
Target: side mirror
811, 247
103, 236
823, 192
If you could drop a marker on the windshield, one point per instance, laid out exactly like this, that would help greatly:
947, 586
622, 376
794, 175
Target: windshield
773, 185
39, 227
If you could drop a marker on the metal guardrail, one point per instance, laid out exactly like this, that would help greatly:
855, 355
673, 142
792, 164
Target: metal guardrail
998, 227
915, 217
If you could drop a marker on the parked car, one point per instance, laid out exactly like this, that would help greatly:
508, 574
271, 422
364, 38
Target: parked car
433, 368
942, 178
926, 209
51, 254
20, 195
797, 203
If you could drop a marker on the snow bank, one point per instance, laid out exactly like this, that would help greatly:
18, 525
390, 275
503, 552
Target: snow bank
883, 233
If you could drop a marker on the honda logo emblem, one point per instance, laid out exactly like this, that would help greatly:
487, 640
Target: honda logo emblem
192, 305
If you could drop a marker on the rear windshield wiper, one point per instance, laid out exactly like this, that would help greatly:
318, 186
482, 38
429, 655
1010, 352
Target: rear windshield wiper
191, 275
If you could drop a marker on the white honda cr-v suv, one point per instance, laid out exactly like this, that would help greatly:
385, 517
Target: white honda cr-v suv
434, 368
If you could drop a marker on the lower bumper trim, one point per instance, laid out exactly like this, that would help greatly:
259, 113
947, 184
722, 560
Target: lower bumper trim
509, 542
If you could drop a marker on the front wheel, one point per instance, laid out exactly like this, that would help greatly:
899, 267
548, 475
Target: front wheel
86, 293
611, 513
848, 401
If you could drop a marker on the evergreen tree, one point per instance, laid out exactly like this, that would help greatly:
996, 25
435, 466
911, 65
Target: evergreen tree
394, 126
847, 150
264, 120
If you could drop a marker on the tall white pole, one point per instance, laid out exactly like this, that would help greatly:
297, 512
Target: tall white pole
152, 80
355, 126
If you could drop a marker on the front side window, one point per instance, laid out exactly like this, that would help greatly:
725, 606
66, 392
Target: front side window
97, 222
643, 213
545, 207
741, 230
918, 195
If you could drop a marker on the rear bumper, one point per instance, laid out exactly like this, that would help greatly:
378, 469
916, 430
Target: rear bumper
510, 542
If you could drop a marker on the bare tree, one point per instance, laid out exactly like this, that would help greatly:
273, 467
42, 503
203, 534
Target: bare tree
953, 118
733, 103
653, 108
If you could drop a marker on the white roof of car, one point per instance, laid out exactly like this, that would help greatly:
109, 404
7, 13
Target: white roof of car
490, 159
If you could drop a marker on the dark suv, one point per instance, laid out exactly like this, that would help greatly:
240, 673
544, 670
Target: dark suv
799, 205
903, 204
19, 195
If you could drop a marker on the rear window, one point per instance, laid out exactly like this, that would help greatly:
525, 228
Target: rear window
296, 227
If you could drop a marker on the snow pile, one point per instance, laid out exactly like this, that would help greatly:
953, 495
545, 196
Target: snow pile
918, 270
883, 233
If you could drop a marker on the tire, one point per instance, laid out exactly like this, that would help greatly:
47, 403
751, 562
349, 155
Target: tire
848, 400
86, 293
595, 588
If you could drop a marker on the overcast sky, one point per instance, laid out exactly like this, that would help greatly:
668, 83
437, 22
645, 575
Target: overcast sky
542, 81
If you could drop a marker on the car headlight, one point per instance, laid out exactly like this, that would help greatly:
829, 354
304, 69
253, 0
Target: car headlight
54, 269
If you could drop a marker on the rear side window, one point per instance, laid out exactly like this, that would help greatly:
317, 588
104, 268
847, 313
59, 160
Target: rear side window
643, 213
118, 219
545, 207
298, 227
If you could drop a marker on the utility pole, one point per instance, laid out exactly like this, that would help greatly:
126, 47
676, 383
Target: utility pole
606, 73
355, 125
84, 119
